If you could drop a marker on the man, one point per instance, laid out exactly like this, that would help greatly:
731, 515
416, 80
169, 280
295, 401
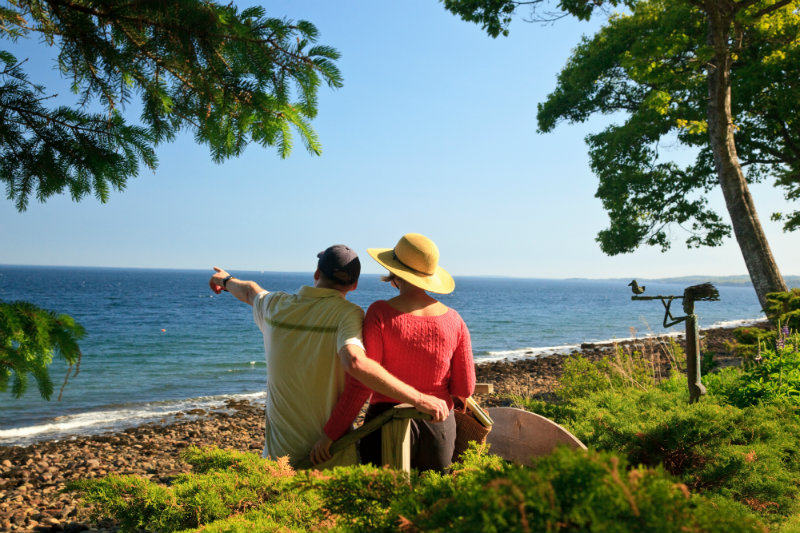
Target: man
311, 339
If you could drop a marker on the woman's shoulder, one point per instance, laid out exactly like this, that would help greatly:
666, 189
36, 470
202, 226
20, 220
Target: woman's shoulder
380, 307
383, 308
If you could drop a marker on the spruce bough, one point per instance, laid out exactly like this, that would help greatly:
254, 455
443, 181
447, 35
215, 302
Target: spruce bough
29, 338
229, 77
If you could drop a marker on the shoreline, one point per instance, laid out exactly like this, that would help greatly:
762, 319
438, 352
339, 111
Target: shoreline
32, 475
104, 420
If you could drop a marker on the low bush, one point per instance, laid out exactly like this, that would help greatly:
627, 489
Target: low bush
735, 443
359, 496
625, 369
783, 309
772, 376
567, 491
749, 342
226, 483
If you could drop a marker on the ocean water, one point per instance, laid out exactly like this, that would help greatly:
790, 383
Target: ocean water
159, 342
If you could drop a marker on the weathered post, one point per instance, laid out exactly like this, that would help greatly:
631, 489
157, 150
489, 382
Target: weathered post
704, 291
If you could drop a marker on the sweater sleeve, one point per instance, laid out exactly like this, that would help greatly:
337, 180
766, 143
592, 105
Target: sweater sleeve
373, 333
346, 408
355, 393
462, 370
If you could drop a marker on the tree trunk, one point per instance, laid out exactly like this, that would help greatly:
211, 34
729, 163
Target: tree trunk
749, 234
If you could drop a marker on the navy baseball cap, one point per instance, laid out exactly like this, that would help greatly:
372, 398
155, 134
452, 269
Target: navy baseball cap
340, 264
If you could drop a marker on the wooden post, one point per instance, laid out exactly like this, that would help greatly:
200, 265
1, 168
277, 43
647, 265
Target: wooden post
399, 438
396, 444
705, 292
696, 387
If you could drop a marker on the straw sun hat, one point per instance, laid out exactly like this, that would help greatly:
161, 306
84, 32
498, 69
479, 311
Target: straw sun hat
415, 259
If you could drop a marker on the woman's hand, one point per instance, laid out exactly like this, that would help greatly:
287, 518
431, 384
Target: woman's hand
436, 407
461, 404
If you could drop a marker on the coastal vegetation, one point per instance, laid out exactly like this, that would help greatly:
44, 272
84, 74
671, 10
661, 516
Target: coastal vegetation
566, 491
738, 443
655, 462
710, 77
29, 339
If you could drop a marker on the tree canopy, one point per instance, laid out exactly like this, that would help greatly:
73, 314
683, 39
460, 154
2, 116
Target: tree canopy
649, 66
231, 77
719, 77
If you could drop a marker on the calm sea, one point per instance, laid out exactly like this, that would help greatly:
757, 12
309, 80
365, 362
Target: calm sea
159, 342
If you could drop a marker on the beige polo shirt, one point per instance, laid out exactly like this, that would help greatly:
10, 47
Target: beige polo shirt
303, 334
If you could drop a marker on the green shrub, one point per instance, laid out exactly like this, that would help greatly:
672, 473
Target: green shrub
748, 454
749, 342
707, 363
773, 376
566, 491
626, 368
581, 377
227, 483
135, 502
783, 309
360, 495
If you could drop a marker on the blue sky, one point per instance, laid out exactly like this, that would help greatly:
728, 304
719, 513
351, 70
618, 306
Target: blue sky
433, 132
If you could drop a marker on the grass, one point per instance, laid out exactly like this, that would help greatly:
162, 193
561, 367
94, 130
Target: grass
655, 463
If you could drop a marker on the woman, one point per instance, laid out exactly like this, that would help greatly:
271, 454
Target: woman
419, 340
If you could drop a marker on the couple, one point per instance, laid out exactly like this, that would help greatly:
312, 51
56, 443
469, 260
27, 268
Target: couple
320, 372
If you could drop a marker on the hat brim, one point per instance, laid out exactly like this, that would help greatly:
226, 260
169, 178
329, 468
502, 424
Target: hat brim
440, 282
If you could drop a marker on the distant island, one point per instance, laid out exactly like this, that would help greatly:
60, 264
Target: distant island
791, 281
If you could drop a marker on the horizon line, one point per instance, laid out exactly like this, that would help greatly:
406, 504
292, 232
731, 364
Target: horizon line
729, 277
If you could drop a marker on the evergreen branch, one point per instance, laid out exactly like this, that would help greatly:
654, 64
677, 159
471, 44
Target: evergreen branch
229, 76
115, 15
50, 119
186, 82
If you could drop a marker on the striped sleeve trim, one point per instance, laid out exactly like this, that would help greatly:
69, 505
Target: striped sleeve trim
301, 327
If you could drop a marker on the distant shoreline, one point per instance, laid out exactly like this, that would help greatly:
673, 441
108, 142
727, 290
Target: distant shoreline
792, 281
97, 423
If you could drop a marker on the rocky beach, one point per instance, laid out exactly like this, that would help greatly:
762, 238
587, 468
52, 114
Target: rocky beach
32, 477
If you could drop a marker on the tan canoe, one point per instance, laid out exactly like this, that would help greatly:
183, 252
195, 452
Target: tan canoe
520, 436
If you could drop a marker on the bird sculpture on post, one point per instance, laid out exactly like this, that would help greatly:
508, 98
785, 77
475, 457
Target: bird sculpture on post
635, 288
702, 292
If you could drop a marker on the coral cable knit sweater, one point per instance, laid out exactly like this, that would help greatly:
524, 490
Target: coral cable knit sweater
433, 354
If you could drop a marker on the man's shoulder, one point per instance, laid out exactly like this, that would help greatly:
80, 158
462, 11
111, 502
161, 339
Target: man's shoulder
346, 306
314, 304
264, 297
